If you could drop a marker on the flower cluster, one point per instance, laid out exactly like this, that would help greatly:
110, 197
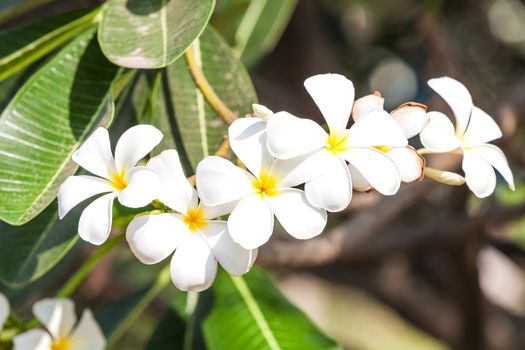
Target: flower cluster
288, 168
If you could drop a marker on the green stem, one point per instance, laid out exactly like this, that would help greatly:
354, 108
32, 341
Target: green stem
162, 280
192, 300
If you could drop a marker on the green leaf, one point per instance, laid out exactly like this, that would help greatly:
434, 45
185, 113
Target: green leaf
23, 45
201, 129
251, 313
29, 251
255, 31
49, 117
151, 33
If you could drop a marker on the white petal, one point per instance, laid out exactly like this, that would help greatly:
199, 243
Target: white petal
377, 128
57, 315
95, 155
4, 310
87, 334
333, 189
290, 136
334, 95
479, 174
152, 238
248, 141
359, 182
144, 186
296, 171
411, 117
76, 189
220, 182
262, 112
213, 212
379, 170
134, 144
495, 157
366, 104
481, 129
457, 97
408, 162
232, 257
251, 222
298, 217
95, 222
35, 339
193, 266
438, 135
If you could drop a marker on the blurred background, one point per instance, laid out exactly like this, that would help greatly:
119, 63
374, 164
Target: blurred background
431, 268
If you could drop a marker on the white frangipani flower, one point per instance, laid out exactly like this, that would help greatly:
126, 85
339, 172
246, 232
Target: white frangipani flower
197, 240
63, 332
474, 129
412, 118
361, 145
4, 310
262, 112
265, 191
119, 177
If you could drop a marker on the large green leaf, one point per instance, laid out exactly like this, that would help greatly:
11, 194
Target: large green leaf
201, 130
254, 27
29, 251
250, 313
49, 117
151, 33
23, 45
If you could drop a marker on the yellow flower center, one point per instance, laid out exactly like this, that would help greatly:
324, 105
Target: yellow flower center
383, 149
194, 218
119, 180
337, 143
61, 344
265, 185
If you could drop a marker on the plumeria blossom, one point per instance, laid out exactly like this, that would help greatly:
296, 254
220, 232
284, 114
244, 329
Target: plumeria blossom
262, 112
4, 310
412, 118
362, 145
63, 332
263, 191
197, 239
471, 136
118, 177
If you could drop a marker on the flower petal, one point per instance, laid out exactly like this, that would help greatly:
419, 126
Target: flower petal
248, 141
88, 335
77, 189
95, 155
95, 222
262, 112
297, 216
481, 129
411, 117
495, 157
213, 212
290, 136
366, 104
4, 310
152, 238
57, 315
232, 257
193, 266
379, 170
408, 162
438, 135
457, 97
296, 171
333, 189
334, 95
479, 174
359, 182
35, 339
220, 182
134, 144
251, 222
144, 185
177, 192
376, 128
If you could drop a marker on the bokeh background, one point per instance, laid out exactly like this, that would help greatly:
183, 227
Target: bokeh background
431, 268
